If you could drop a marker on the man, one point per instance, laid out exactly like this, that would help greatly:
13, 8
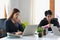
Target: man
48, 20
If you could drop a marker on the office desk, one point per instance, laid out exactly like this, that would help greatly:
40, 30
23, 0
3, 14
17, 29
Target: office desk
49, 36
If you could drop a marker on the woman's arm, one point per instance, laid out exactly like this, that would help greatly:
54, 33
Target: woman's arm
21, 28
20, 25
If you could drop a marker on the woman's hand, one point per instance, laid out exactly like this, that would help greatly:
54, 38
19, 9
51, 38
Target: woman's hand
18, 20
18, 33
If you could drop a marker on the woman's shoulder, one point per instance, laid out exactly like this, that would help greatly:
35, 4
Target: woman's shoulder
8, 21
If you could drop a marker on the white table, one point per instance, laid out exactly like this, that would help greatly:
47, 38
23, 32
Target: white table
49, 36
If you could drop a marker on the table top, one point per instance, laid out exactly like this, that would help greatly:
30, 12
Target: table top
49, 36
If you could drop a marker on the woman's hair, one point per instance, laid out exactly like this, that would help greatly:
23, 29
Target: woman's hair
14, 11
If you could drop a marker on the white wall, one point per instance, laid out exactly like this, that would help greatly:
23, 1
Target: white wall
57, 9
25, 6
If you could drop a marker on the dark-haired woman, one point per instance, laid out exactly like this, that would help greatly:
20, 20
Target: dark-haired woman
13, 24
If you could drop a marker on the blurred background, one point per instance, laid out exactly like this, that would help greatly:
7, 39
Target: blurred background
32, 11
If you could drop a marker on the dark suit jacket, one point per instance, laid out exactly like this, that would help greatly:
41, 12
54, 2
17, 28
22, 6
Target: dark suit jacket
45, 22
11, 27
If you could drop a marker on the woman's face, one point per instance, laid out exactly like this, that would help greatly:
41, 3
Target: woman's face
15, 16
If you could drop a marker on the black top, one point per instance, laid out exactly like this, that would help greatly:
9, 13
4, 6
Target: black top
11, 27
53, 21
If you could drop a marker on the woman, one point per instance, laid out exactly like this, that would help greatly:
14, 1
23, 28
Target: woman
11, 26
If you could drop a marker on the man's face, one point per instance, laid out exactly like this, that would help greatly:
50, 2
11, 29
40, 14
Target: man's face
49, 17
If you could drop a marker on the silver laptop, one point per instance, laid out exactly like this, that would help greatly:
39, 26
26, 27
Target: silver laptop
30, 30
55, 30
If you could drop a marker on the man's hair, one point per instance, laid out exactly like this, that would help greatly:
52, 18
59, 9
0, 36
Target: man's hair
48, 12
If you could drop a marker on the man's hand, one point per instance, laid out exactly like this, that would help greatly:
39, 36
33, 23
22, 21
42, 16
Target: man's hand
47, 26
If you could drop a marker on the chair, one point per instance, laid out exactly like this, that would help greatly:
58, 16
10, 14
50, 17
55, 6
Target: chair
3, 28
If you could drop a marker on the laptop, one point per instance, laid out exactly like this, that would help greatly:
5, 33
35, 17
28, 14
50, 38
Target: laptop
29, 30
55, 30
